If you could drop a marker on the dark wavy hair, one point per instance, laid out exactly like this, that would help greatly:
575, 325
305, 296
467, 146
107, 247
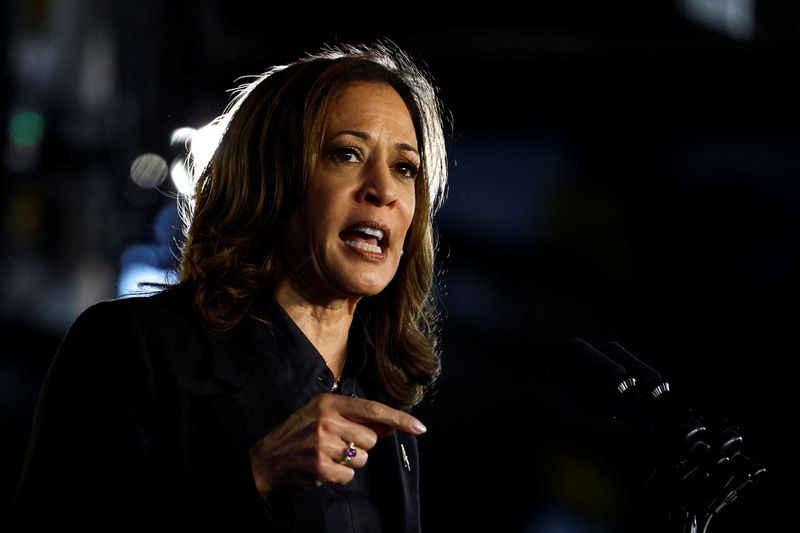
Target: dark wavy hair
272, 135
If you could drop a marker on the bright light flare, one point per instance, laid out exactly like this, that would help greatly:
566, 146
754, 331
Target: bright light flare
182, 136
180, 176
134, 277
203, 144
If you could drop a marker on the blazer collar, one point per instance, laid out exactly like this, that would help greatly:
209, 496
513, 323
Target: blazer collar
232, 355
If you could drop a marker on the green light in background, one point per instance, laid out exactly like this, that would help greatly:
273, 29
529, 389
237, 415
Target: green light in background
26, 128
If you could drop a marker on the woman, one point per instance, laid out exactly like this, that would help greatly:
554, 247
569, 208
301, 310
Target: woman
271, 387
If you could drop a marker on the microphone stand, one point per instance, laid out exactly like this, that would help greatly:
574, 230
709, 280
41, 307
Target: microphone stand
705, 468
701, 469
699, 483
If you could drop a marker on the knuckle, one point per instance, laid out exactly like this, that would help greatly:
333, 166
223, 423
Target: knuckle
317, 438
316, 406
325, 401
325, 426
372, 409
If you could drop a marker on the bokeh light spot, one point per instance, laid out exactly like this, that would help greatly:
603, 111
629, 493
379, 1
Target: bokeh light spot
148, 170
27, 128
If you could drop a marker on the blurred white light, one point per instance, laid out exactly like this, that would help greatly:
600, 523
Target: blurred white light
180, 176
136, 273
203, 145
734, 17
181, 136
148, 170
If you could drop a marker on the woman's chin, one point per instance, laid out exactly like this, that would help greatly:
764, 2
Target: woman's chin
365, 290
365, 283
362, 278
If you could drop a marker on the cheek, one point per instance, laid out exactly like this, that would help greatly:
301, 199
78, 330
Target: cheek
321, 211
410, 211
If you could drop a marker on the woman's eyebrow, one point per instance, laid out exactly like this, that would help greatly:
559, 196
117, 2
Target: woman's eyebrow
367, 137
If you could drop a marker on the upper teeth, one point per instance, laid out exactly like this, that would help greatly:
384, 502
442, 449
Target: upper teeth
371, 231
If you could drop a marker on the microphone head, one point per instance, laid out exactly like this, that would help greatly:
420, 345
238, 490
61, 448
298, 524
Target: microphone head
615, 383
581, 369
648, 379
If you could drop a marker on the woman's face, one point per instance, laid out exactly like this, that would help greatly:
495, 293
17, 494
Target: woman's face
347, 235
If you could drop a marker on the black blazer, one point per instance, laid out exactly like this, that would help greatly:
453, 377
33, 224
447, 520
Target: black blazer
146, 419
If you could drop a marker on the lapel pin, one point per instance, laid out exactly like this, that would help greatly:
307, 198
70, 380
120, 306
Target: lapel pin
405, 458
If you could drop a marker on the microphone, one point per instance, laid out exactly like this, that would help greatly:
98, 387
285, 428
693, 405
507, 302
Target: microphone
702, 466
671, 422
613, 383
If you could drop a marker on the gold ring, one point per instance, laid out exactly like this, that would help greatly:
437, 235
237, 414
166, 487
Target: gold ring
349, 453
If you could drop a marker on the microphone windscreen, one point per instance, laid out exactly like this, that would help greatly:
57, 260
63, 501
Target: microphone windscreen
584, 371
646, 376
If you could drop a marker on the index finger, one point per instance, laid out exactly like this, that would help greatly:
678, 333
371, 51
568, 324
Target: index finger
371, 412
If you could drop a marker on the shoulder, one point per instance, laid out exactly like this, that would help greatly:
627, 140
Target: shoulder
148, 315
123, 330
163, 305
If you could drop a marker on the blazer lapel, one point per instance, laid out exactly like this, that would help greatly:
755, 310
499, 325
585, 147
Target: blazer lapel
264, 383
395, 481
231, 362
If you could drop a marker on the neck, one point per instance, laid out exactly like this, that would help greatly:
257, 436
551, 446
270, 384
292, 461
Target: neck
325, 322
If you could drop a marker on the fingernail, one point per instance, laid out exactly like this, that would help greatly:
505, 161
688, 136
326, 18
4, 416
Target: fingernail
419, 426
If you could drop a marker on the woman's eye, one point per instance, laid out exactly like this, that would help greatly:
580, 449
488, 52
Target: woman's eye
408, 170
347, 154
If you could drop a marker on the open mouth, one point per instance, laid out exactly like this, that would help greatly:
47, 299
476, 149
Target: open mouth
367, 237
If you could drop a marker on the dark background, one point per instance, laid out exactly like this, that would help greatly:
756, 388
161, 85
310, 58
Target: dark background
619, 171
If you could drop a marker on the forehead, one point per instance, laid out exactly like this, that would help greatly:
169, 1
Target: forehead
370, 104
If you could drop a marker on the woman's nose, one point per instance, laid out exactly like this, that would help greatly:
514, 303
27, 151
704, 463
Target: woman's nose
380, 186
